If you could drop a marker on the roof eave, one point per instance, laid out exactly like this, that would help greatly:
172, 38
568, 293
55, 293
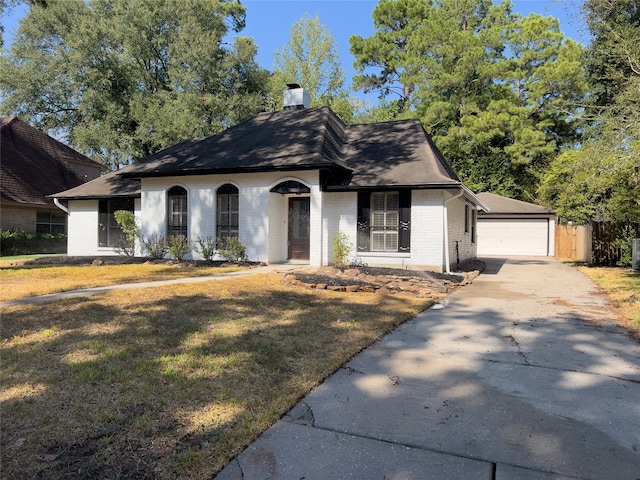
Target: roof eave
234, 170
421, 186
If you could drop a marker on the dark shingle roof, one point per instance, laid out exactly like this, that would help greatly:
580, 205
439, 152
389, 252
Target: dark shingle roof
499, 205
389, 154
287, 140
107, 186
34, 165
398, 153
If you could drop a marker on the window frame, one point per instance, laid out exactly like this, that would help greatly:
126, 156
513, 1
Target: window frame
365, 221
177, 196
227, 197
49, 225
109, 232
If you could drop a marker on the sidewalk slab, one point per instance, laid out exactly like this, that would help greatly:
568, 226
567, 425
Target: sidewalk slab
292, 451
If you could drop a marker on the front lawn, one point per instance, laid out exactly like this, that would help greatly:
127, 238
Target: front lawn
623, 288
170, 382
31, 280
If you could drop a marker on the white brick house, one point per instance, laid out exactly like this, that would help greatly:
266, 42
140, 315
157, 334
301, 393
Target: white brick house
285, 183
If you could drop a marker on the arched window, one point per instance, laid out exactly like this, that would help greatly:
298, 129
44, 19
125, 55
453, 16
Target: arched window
227, 211
176, 211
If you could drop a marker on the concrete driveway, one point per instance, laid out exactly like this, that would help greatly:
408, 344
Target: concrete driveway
521, 375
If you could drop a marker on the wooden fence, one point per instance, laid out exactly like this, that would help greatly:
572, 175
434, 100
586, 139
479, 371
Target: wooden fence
574, 242
593, 244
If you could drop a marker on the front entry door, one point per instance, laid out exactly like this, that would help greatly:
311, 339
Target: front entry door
299, 209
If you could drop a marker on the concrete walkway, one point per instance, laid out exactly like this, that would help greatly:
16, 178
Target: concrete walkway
88, 292
521, 375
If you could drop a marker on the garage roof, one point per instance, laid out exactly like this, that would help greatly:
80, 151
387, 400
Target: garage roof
504, 206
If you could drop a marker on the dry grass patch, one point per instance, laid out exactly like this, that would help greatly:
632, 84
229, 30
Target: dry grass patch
29, 281
172, 383
623, 288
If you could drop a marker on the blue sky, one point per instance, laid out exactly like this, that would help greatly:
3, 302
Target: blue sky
269, 22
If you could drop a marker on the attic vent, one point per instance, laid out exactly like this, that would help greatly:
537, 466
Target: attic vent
295, 97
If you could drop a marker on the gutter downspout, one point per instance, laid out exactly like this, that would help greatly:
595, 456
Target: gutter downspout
446, 231
60, 206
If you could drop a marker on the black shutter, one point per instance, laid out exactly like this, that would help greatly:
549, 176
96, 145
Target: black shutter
404, 233
364, 221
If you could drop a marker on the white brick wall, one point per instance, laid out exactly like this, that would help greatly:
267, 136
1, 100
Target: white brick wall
263, 220
427, 228
83, 229
340, 215
466, 248
263, 215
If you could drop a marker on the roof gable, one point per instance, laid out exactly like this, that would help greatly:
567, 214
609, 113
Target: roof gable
34, 165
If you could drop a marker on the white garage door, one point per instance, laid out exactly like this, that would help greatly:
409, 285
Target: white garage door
513, 237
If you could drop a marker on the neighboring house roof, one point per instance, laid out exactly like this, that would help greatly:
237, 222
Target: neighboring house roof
389, 154
33, 165
499, 205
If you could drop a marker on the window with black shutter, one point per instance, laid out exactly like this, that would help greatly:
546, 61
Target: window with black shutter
384, 221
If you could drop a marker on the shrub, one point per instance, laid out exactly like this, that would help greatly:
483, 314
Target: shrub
178, 246
156, 246
208, 247
232, 249
126, 244
341, 250
22, 243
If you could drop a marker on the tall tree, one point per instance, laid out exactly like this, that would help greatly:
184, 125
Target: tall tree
600, 181
310, 58
496, 90
124, 79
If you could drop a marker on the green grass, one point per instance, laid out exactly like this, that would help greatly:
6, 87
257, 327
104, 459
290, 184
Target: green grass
175, 381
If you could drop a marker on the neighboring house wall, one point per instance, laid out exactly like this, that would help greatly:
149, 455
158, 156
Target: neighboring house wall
18, 218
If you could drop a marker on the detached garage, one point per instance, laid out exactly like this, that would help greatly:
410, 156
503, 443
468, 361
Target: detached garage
513, 227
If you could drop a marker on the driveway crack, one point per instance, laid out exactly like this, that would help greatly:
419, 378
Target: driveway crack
515, 343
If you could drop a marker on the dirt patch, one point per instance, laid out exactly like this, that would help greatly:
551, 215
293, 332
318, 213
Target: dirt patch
420, 283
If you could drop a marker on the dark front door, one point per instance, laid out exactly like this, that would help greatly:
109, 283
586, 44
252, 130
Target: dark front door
299, 209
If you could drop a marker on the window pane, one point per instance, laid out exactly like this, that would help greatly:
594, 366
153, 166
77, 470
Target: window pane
55, 229
393, 201
234, 202
377, 219
377, 201
391, 241
377, 241
43, 217
392, 219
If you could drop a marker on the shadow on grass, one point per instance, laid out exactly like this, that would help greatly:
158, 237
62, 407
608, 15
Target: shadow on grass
130, 384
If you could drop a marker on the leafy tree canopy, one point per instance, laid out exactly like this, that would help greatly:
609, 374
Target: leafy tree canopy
497, 90
601, 180
310, 59
122, 80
